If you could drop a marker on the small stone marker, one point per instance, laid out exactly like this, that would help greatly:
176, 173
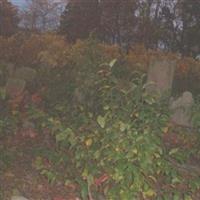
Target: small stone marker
26, 73
18, 198
18, 80
15, 87
160, 76
181, 109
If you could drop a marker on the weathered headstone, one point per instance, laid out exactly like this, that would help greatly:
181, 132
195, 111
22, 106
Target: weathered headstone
18, 80
79, 97
15, 87
160, 76
181, 109
26, 73
18, 198
10, 68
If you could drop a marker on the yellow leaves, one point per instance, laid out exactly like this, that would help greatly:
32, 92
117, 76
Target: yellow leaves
122, 126
85, 174
153, 178
173, 151
135, 151
88, 142
101, 121
165, 129
149, 193
136, 114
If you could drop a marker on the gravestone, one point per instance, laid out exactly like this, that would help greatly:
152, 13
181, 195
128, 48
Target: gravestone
18, 80
18, 198
15, 87
26, 73
181, 109
160, 76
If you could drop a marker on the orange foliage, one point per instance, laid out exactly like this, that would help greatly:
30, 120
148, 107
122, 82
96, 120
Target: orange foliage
51, 50
36, 98
187, 65
111, 51
32, 50
139, 58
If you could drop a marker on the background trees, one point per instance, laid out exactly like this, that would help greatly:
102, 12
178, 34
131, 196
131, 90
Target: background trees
8, 18
80, 18
41, 15
189, 16
171, 24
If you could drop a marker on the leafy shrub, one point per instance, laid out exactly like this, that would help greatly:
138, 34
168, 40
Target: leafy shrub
100, 115
115, 143
38, 51
75, 80
120, 142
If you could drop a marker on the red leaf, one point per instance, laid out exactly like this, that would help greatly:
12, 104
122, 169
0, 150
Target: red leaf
36, 98
59, 198
101, 179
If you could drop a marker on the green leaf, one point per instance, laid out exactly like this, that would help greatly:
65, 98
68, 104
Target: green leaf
112, 63
122, 126
187, 197
3, 93
51, 176
176, 180
173, 151
101, 121
176, 196
106, 107
149, 193
61, 137
84, 191
38, 163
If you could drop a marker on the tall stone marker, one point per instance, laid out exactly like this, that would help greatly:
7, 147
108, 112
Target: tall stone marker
160, 76
181, 109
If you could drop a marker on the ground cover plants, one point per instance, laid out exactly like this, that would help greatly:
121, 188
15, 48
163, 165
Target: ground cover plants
92, 127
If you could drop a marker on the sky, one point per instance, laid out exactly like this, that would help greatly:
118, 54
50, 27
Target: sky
18, 2
21, 3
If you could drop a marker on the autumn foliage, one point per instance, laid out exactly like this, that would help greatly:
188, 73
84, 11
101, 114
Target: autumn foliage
45, 51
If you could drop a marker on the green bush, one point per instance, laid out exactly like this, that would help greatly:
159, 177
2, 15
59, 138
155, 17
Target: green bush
101, 118
122, 139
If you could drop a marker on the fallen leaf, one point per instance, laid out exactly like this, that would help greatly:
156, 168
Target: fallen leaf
101, 179
59, 198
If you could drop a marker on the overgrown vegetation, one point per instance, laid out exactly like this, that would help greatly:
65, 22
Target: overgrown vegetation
107, 135
74, 108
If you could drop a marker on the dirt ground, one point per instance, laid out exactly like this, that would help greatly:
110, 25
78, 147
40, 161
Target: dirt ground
19, 175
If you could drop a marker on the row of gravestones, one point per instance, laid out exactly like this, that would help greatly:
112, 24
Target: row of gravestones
159, 81
18, 80
16, 87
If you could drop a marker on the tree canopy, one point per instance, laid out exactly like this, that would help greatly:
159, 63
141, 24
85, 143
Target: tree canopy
171, 24
8, 18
